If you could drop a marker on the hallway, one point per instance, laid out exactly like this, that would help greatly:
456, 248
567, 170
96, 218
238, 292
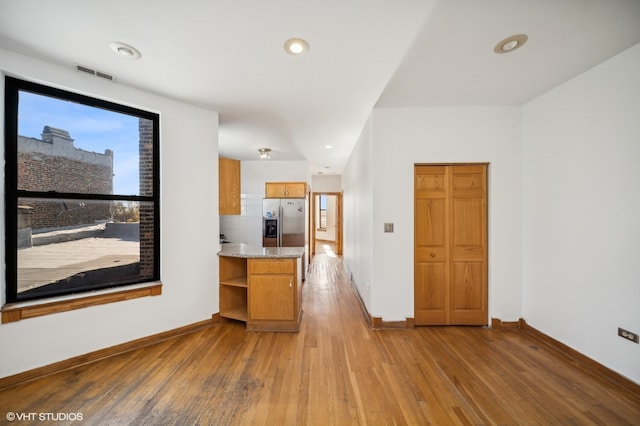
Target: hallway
335, 371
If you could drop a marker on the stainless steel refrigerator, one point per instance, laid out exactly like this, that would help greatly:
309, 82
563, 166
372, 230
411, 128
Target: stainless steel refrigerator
284, 223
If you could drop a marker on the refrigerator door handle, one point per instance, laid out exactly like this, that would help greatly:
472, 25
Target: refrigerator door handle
280, 225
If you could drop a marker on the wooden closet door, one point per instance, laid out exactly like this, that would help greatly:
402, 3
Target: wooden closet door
468, 245
450, 249
431, 273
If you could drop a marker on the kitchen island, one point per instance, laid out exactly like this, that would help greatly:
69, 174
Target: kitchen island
261, 286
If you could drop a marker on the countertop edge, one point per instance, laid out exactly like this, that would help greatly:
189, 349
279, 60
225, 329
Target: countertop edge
255, 252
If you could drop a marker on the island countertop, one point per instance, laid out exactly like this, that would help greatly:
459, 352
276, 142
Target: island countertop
255, 252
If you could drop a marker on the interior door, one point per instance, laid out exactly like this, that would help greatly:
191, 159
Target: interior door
450, 253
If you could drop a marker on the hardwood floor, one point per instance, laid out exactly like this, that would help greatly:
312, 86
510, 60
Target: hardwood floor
335, 371
326, 247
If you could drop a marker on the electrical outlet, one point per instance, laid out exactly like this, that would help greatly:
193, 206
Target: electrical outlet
628, 335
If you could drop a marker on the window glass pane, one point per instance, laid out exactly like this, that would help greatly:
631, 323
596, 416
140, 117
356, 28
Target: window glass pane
71, 245
66, 146
323, 212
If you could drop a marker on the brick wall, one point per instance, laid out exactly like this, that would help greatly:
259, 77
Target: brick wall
146, 188
54, 164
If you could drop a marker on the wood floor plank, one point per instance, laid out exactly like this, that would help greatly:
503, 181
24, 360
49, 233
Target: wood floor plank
335, 371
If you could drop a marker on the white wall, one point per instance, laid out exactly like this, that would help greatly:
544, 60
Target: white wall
189, 228
357, 181
402, 137
326, 183
581, 226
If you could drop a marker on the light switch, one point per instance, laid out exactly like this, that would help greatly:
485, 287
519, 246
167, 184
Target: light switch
388, 227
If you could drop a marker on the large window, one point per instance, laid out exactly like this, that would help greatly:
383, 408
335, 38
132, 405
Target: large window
82, 193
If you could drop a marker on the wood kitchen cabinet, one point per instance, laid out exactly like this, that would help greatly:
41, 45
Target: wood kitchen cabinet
263, 292
229, 186
285, 189
274, 298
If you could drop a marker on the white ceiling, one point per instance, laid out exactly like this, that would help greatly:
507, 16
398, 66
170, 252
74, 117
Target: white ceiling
227, 55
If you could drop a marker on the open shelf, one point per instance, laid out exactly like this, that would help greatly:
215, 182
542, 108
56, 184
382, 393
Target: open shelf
233, 288
235, 282
233, 271
238, 313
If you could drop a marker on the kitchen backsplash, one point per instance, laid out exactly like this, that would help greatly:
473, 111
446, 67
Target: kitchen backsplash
246, 227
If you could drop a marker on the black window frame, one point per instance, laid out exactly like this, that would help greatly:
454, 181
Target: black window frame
12, 194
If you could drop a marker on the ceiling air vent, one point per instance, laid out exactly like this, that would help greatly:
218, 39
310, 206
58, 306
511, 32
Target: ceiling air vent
95, 73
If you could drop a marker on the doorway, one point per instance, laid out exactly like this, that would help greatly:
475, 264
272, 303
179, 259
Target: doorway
326, 223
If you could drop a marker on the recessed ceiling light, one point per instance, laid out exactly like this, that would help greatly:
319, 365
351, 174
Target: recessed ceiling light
328, 146
296, 46
125, 50
510, 44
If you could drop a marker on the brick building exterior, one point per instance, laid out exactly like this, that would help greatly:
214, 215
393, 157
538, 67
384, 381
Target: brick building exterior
146, 188
54, 164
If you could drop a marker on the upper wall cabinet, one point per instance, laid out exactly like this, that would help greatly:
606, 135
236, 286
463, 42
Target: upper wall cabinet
229, 186
285, 189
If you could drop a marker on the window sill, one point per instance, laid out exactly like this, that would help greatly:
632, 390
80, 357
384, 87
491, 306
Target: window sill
16, 311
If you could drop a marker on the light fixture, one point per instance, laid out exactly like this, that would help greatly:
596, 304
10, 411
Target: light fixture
328, 146
296, 46
510, 44
264, 153
125, 50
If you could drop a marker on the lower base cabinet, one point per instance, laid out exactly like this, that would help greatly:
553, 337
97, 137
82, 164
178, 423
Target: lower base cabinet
271, 298
265, 293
